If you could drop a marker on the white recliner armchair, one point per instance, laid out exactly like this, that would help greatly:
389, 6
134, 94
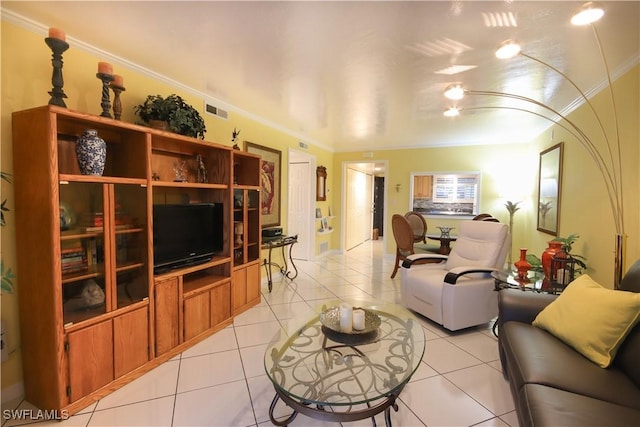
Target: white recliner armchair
458, 292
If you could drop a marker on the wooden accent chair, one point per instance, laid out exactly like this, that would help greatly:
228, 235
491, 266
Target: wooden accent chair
418, 225
485, 217
403, 235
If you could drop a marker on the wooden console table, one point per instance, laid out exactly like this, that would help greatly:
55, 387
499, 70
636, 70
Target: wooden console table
279, 242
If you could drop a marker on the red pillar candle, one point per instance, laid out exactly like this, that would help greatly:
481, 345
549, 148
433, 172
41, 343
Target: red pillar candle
57, 33
117, 80
105, 68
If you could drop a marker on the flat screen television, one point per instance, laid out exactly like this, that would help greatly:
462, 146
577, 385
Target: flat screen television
185, 235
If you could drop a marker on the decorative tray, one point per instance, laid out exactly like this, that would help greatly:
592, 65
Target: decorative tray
330, 319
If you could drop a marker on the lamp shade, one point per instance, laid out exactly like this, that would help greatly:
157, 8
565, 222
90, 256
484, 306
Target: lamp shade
588, 14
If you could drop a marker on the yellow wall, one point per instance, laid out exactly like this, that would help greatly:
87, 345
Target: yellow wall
585, 208
26, 81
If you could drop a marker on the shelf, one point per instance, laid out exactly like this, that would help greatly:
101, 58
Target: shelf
67, 178
174, 184
325, 232
129, 266
89, 273
215, 261
246, 187
192, 286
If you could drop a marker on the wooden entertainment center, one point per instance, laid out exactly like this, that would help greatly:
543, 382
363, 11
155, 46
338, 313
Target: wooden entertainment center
93, 315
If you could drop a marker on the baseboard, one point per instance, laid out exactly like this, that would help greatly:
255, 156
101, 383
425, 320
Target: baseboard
14, 392
326, 254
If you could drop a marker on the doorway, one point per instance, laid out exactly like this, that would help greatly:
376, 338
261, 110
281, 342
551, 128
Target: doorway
300, 217
378, 205
358, 201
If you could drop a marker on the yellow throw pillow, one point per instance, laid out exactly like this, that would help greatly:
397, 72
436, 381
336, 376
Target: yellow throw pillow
591, 319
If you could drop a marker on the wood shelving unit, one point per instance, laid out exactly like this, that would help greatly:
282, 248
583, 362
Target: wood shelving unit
75, 352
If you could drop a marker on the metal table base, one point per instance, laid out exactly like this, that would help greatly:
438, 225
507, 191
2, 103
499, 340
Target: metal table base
318, 412
282, 243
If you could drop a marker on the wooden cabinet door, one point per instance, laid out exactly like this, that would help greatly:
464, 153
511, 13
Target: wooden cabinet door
239, 289
90, 355
196, 315
253, 282
130, 341
167, 309
220, 304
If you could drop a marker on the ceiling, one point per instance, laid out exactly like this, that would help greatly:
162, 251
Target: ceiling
352, 76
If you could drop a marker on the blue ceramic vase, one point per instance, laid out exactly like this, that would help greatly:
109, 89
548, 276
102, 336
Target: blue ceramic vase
91, 151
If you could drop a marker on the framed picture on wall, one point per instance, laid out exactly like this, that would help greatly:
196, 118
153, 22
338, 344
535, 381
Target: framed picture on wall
270, 172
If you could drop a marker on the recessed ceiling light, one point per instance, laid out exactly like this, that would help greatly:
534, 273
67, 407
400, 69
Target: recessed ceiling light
508, 49
452, 112
454, 91
588, 14
455, 69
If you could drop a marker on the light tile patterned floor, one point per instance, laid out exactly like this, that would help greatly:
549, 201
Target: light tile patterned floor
221, 381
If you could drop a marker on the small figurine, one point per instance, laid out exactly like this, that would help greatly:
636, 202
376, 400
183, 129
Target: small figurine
179, 169
234, 137
202, 170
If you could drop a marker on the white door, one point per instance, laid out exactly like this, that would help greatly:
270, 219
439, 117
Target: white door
301, 201
358, 208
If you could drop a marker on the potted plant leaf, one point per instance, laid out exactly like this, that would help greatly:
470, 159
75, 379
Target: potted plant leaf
179, 116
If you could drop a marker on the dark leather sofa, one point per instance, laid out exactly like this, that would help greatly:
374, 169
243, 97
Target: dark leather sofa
552, 384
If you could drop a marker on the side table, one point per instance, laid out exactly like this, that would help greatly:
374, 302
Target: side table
508, 279
280, 242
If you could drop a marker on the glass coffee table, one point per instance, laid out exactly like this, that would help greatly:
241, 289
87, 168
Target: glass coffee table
329, 375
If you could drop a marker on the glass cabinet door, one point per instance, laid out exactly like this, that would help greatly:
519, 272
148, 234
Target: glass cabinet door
103, 248
82, 251
238, 226
253, 225
130, 244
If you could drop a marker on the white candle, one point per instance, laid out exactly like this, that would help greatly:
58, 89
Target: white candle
560, 276
358, 319
346, 317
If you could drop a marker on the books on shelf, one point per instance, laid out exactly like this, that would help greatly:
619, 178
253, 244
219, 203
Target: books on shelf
73, 258
100, 229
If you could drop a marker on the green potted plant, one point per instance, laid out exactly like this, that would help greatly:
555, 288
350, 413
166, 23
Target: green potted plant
179, 116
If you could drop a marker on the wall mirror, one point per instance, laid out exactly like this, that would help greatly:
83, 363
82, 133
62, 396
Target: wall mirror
321, 184
549, 186
445, 193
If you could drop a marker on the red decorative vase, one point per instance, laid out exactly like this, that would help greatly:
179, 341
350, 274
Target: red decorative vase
522, 265
547, 255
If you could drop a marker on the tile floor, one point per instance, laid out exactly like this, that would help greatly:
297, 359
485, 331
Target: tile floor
221, 381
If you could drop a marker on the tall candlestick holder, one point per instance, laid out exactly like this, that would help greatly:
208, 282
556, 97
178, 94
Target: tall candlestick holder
57, 46
117, 104
106, 99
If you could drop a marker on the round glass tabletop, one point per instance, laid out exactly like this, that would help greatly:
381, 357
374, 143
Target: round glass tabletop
318, 365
